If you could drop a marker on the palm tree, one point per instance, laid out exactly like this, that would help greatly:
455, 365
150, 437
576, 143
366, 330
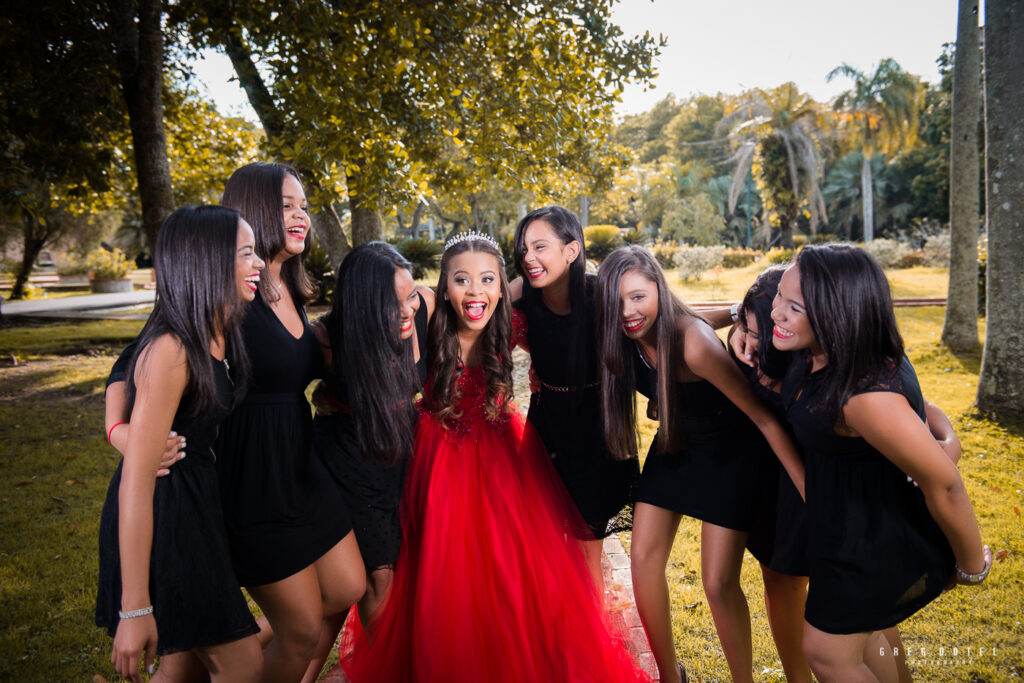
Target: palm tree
776, 130
882, 108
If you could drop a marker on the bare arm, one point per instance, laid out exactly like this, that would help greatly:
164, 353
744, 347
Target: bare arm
705, 356
160, 377
515, 290
118, 428
718, 317
943, 431
887, 422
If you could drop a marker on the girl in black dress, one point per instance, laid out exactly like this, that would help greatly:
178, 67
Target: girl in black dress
555, 311
702, 462
291, 544
374, 342
166, 585
880, 548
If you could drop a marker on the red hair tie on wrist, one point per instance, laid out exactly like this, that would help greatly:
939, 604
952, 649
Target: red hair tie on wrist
110, 431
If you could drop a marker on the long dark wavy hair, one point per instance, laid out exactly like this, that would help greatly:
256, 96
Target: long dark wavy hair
758, 300
372, 363
197, 296
568, 228
618, 353
254, 190
849, 307
445, 363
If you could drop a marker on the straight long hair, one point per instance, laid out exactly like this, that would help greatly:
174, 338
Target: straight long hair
371, 360
197, 297
618, 353
568, 228
254, 190
445, 362
849, 307
758, 301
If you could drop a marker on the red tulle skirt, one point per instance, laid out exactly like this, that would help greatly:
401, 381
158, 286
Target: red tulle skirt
491, 583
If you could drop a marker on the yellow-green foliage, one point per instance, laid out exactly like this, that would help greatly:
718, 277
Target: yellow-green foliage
601, 240
109, 265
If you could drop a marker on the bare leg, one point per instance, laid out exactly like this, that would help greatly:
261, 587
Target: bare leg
899, 654
654, 530
721, 558
378, 583
239, 661
341, 575
837, 658
885, 657
293, 608
328, 635
266, 633
784, 600
180, 667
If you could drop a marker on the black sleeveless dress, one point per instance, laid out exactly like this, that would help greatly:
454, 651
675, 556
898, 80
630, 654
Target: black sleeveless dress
716, 476
280, 506
197, 601
778, 538
371, 490
876, 555
568, 418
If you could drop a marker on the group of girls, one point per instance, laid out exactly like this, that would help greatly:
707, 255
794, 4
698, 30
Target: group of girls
468, 538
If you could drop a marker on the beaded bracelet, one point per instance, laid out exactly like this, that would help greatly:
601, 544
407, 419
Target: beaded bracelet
972, 579
141, 612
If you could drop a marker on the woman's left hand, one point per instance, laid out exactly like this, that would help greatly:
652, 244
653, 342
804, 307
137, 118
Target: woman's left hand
132, 637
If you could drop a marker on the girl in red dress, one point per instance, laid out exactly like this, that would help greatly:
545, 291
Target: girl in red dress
490, 584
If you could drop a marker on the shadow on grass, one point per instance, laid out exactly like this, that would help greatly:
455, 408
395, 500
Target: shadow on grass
49, 384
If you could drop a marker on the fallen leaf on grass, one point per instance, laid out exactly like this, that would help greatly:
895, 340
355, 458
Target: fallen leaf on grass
1003, 554
1016, 511
24, 482
71, 482
58, 499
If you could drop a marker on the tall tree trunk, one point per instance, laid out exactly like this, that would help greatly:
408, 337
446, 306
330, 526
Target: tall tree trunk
367, 224
867, 195
140, 56
1001, 385
32, 245
585, 211
960, 326
329, 230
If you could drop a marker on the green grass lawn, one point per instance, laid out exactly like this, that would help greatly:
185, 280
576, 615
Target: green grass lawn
55, 466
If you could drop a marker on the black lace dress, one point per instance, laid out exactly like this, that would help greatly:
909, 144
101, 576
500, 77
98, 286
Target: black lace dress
778, 538
876, 555
568, 418
371, 490
280, 507
717, 474
197, 601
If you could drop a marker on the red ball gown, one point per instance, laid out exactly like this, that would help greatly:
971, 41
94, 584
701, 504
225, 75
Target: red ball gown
490, 584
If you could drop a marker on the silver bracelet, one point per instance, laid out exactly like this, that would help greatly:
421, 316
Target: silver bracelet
141, 612
972, 579
734, 311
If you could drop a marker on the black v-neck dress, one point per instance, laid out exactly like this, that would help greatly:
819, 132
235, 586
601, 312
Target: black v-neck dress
279, 503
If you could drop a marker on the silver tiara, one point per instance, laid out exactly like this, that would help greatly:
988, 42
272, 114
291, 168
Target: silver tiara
469, 235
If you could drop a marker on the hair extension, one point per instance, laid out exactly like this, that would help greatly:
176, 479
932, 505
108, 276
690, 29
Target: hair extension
617, 353
255, 191
849, 307
197, 297
372, 363
445, 361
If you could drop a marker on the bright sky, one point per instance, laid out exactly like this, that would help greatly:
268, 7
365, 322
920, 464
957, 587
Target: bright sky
731, 45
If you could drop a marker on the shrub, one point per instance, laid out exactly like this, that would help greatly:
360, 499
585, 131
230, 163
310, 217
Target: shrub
738, 257
70, 264
601, 240
777, 255
936, 250
109, 265
665, 254
422, 253
889, 253
695, 261
321, 271
635, 236
822, 238
799, 241
914, 257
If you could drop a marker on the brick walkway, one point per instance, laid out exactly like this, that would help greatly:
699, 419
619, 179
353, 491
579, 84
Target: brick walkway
618, 593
